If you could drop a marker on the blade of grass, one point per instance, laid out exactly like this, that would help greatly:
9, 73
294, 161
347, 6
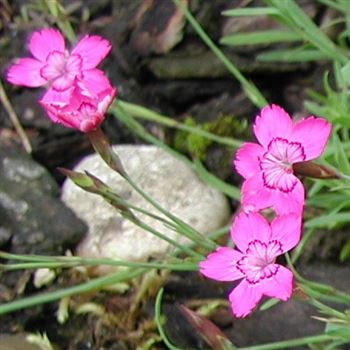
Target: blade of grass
147, 114
139, 130
259, 37
292, 343
292, 55
298, 21
251, 11
250, 89
160, 320
89, 286
215, 182
326, 220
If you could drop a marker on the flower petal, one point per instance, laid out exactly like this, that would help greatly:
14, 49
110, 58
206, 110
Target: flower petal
280, 285
289, 202
94, 81
45, 41
313, 134
54, 101
26, 72
92, 49
256, 196
244, 298
286, 229
248, 227
221, 265
247, 159
272, 122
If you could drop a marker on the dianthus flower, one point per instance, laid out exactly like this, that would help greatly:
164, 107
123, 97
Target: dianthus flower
53, 65
257, 243
268, 167
82, 106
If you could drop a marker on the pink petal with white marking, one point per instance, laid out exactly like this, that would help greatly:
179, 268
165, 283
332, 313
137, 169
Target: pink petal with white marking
54, 66
89, 117
221, 265
249, 227
255, 195
278, 286
272, 122
247, 158
63, 82
244, 298
26, 72
92, 49
290, 202
45, 41
53, 101
313, 134
74, 65
275, 177
286, 229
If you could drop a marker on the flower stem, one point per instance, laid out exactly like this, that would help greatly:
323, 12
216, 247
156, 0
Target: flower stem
292, 343
250, 89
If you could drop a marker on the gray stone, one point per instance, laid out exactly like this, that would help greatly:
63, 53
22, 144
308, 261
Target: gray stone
168, 180
32, 217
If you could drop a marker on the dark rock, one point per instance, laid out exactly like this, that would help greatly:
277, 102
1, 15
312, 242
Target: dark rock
158, 26
191, 62
34, 219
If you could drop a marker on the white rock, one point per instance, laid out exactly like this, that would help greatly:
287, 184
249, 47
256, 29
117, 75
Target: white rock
168, 180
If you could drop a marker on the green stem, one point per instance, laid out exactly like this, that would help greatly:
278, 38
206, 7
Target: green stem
291, 343
189, 231
181, 266
250, 89
96, 283
146, 114
171, 241
130, 122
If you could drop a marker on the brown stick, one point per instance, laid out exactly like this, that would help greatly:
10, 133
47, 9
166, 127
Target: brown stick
14, 119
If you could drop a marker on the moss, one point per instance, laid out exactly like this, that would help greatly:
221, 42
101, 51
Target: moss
196, 145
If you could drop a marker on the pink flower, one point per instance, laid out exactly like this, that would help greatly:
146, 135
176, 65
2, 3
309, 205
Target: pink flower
82, 106
268, 167
258, 244
53, 64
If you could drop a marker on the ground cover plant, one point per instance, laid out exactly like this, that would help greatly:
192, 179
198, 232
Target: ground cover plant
295, 177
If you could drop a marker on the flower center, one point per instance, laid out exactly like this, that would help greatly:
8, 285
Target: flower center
61, 69
277, 164
259, 261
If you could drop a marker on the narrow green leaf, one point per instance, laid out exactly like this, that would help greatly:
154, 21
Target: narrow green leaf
94, 284
215, 182
251, 11
249, 88
345, 252
292, 55
160, 321
328, 220
342, 331
260, 37
340, 156
299, 21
